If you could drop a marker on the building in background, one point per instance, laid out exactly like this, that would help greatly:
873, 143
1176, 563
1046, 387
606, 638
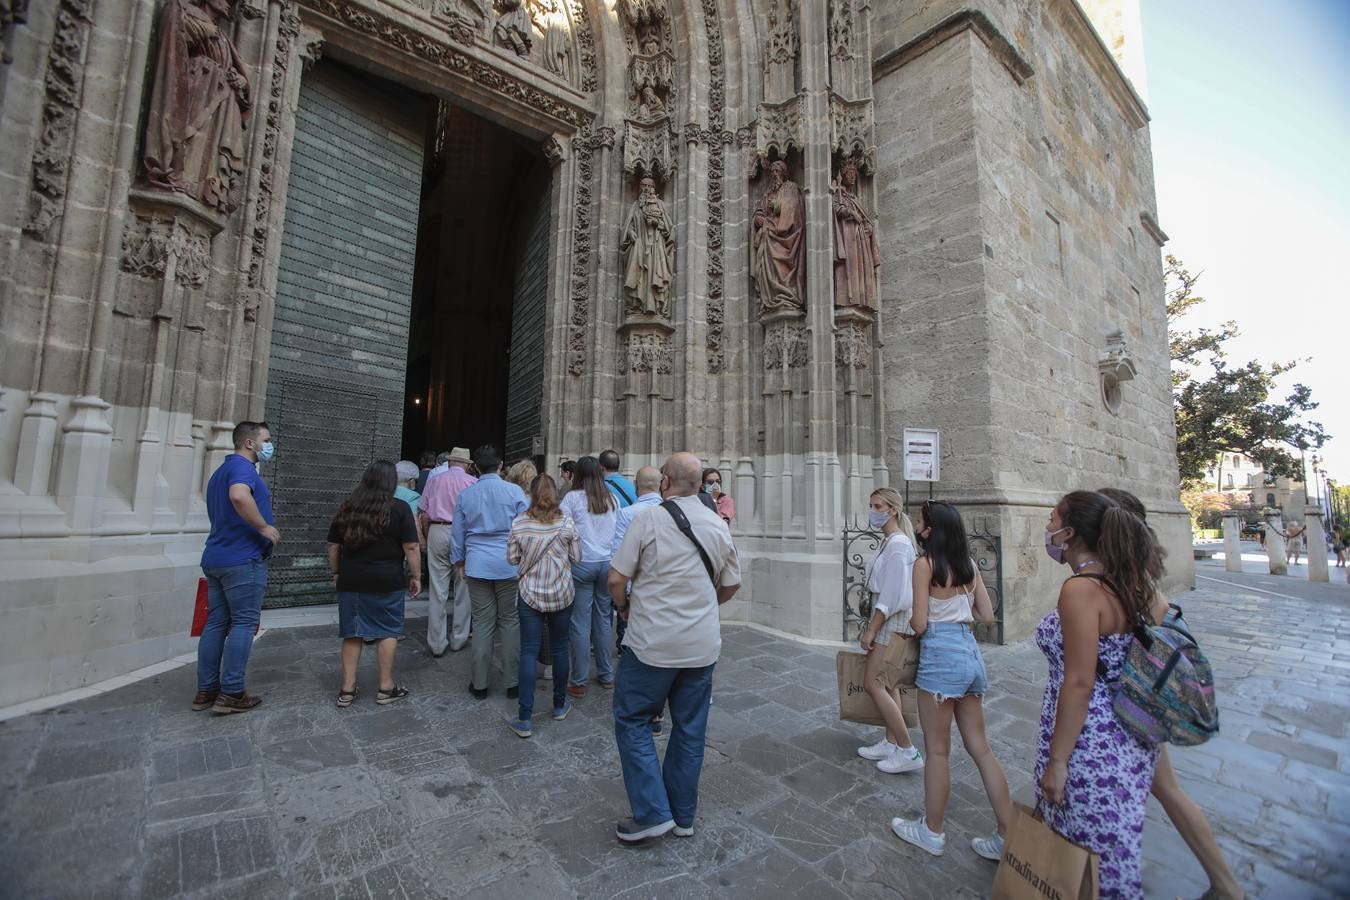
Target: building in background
774, 233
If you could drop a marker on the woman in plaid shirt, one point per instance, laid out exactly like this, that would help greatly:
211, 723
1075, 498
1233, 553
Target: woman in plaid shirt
542, 546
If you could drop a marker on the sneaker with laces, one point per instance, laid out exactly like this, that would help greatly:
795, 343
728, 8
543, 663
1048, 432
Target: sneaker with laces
917, 832
521, 727
880, 750
683, 830
902, 759
990, 848
560, 712
631, 832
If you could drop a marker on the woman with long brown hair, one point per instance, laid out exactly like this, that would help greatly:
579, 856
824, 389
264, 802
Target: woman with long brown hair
543, 546
591, 505
371, 539
1093, 776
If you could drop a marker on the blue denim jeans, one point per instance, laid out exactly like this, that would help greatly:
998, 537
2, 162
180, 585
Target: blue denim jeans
233, 607
533, 626
592, 623
658, 791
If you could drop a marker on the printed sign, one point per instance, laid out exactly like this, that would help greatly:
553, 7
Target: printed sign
921, 454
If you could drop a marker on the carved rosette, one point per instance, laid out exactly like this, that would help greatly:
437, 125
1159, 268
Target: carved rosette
647, 351
647, 149
851, 129
852, 345
150, 244
63, 86
778, 131
785, 345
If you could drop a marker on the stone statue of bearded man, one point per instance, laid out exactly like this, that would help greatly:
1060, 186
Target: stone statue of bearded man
648, 249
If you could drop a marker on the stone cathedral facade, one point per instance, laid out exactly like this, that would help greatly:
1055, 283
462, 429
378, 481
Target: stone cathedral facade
773, 232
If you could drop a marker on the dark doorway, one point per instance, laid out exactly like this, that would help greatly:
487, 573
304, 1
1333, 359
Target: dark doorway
476, 339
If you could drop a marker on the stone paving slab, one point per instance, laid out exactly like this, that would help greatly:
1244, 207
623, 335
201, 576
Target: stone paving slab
130, 794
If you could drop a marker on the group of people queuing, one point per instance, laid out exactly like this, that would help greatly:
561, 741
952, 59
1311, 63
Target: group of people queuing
542, 565
1093, 778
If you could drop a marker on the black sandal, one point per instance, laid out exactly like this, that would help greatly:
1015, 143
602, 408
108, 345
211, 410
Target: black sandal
345, 698
393, 695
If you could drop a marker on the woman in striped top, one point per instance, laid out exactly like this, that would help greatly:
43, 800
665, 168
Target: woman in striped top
542, 546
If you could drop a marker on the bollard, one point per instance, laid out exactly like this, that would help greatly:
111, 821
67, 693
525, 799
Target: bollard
1275, 546
1315, 541
1232, 541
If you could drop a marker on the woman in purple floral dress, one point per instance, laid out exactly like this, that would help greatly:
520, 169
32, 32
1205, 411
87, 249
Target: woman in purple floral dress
1093, 777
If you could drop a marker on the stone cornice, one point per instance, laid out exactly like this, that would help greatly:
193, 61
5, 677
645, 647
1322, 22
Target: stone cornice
459, 53
1084, 34
1150, 225
967, 19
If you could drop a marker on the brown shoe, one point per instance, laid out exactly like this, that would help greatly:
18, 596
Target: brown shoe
204, 700
226, 704
576, 690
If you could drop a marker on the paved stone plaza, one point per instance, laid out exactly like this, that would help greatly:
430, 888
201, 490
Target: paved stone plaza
132, 794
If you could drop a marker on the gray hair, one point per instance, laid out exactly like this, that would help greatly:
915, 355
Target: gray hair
407, 470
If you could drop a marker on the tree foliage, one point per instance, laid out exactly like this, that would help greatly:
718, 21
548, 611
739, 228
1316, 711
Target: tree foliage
1229, 408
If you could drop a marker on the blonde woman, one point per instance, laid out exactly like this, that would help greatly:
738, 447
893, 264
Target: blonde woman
522, 474
890, 581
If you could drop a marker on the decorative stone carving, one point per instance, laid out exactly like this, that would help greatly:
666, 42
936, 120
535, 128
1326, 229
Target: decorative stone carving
1116, 367
841, 29
653, 71
778, 244
851, 127
852, 345
643, 12
287, 32
194, 135
715, 304
579, 320
465, 26
555, 44
647, 149
856, 252
63, 85
780, 52
785, 345
513, 29
648, 248
585, 44
12, 12
778, 131
311, 50
150, 243
553, 151
647, 351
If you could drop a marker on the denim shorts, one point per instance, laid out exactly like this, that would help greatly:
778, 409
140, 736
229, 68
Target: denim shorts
950, 665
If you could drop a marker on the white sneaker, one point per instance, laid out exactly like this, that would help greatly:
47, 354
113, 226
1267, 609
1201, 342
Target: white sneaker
901, 759
916, 832
546, 672
989, 847
880, 750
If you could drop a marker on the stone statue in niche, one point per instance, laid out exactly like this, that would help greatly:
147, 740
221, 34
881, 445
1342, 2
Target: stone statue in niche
194, 137
856, 254
648, 249
551, 22
513, 30
650, 105
778, 245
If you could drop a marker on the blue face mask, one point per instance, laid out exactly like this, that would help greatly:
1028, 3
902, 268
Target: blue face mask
878, 519
266, 451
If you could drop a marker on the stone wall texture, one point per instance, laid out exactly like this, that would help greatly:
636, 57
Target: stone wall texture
1003, 156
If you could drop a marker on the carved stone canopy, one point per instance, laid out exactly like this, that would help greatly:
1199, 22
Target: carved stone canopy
851, 130
648, 149
643, 12
778, 131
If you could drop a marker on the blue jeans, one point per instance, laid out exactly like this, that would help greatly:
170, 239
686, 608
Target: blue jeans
533, 625
592, 623
659, 791
234, 606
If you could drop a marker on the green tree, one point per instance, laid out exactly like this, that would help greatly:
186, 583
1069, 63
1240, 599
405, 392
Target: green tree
1228, 408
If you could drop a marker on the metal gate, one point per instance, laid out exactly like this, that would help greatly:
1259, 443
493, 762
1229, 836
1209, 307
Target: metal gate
860, 547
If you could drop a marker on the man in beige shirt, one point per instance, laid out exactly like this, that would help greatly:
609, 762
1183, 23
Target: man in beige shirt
674, 637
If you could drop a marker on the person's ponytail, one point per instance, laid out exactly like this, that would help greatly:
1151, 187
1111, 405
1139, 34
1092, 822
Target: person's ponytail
1129, 553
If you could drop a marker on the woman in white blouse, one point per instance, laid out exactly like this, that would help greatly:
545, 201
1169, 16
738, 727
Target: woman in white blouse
890, 581
592, 506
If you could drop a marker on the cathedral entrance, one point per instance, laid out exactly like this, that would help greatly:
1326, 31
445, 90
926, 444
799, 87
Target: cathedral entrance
411, 300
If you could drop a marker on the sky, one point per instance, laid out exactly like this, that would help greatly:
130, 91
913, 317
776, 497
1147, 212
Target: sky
1250, 106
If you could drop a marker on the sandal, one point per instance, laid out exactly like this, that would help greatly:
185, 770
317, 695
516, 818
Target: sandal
394, 694
345, 698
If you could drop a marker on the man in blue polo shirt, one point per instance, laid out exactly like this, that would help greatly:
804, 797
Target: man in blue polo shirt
622, 489
235, 565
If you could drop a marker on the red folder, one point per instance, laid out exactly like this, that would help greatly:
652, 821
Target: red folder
201, 607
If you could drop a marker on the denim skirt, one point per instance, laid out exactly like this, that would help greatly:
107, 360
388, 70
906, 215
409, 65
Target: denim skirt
371, 615
950, 664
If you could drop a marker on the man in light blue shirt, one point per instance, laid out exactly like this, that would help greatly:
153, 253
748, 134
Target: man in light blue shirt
648, 494
478, 535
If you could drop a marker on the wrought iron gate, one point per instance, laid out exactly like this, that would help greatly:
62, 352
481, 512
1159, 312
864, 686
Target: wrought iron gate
860, 546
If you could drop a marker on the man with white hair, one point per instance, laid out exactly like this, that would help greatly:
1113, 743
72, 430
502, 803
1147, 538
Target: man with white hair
683, 566
437, 516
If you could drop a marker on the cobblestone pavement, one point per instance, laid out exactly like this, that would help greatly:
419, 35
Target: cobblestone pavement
132, 794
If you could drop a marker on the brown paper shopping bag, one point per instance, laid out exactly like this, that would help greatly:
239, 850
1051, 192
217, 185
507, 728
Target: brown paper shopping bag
1038, 863
856, 705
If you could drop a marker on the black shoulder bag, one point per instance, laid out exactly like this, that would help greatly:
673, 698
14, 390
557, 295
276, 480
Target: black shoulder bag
682, 523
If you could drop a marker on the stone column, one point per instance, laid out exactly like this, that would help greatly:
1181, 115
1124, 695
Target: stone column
1232, 541
1316, 539
1275, 547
